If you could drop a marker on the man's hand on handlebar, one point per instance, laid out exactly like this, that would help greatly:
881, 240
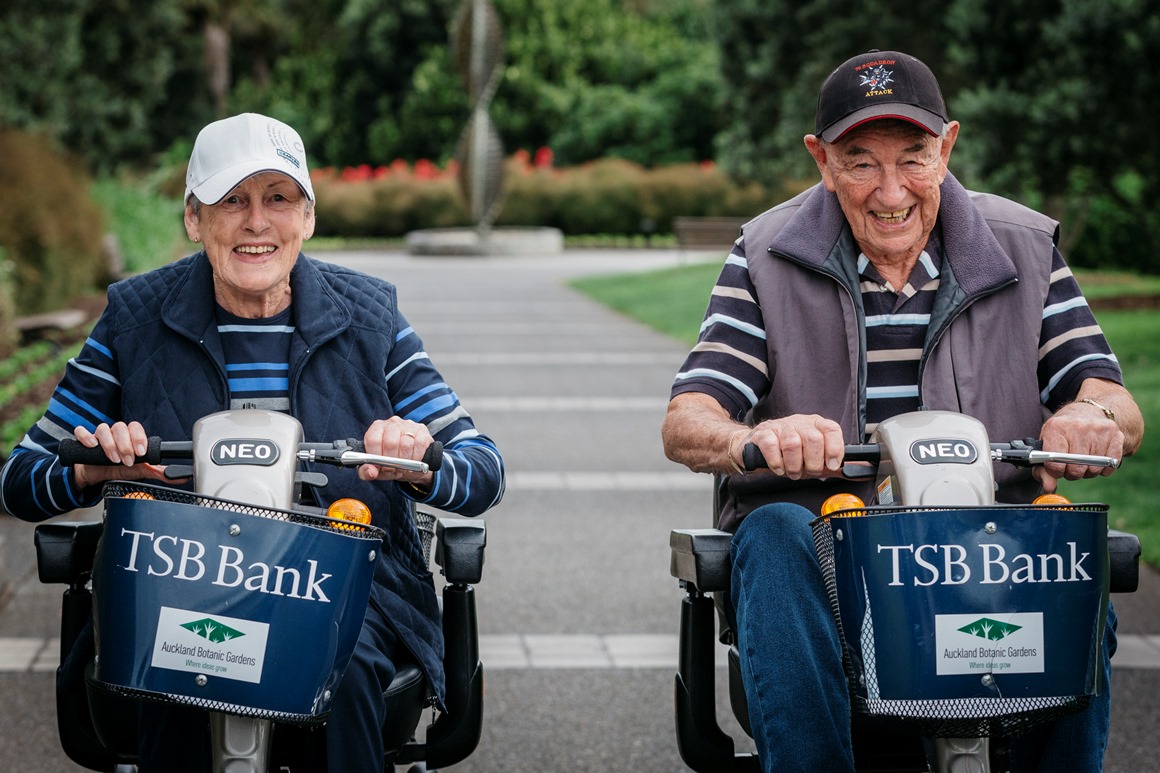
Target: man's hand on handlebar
1078, 428
797, 446
122, 443
399, 438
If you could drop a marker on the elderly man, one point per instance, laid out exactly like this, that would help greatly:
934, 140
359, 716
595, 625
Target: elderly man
250, 322
884, 289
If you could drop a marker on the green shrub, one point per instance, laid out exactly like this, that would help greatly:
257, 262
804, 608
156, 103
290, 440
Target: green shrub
530, 196
437, 204
600, 197
389, 206
1120, 231
147, 223
50, 228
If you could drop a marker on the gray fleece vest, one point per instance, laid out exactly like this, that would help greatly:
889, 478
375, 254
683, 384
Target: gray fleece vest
981, 349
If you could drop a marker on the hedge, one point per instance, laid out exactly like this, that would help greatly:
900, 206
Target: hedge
610, 196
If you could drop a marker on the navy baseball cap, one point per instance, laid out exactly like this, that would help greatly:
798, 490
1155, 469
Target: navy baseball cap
876, 85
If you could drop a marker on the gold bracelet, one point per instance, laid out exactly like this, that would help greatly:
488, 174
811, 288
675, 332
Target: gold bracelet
729, 450
1107, 411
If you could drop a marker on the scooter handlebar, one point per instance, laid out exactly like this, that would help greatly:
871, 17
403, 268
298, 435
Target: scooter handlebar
1021, 453
71, 452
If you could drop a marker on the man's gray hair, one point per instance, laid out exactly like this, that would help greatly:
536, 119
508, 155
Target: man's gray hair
902, 123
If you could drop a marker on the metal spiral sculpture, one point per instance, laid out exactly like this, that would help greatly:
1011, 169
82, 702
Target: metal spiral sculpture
478, 43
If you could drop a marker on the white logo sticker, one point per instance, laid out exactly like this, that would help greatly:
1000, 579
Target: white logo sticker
1007, 643
211, 644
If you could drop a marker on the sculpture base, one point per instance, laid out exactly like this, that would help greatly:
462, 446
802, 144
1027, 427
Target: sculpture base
496, 241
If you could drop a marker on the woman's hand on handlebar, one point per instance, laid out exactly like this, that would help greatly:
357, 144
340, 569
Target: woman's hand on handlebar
399, 438
797, 446
122, 443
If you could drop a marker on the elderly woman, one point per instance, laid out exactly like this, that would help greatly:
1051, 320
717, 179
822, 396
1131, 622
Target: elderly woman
249, 322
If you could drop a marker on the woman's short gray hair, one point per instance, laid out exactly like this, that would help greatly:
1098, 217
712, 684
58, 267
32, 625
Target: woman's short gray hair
195, 204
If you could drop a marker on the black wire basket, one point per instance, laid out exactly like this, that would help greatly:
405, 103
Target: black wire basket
967, 681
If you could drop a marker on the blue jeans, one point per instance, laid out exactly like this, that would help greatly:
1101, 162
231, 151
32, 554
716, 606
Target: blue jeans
791, 660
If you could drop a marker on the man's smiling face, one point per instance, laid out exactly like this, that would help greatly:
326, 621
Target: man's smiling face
886, 175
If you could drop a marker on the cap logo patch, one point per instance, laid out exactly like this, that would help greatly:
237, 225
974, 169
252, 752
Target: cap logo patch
877, 79
289, 158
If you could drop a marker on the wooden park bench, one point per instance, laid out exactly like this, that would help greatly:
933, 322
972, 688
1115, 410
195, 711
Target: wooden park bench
707, 233
38, 324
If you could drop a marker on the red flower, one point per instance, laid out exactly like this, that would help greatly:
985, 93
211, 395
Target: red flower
357, 173
544, 158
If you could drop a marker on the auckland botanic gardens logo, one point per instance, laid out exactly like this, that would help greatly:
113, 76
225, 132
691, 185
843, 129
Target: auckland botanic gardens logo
208, 628
991, 630
212, 644
1010, 642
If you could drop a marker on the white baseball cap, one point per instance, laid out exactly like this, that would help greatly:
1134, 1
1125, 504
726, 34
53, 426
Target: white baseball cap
232, 149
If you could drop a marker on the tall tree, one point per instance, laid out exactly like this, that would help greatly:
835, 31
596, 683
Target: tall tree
344, 72
251, 27
1053, 102
89, 73
775, 55
631, 78
40, 51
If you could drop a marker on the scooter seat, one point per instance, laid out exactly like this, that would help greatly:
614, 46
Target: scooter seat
406, 698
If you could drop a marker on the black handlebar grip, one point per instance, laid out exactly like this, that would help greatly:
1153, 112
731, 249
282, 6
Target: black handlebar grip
433, 456
71, 452
870, 452
752, 458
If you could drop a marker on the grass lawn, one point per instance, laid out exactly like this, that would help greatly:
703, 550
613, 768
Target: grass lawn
673, 301
1134, 336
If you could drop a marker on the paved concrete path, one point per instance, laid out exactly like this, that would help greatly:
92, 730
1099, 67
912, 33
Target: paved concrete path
578, 612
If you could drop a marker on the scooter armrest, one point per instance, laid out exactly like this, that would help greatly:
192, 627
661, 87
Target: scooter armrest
1123, 561
65, 550
459, 549
701, 557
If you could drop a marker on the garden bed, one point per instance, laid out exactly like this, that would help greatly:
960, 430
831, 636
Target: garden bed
29, 375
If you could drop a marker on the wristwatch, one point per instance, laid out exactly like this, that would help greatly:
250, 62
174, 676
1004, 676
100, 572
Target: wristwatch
1107, 411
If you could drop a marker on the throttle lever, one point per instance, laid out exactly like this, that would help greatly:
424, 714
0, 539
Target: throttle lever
432, 458
1025, 457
